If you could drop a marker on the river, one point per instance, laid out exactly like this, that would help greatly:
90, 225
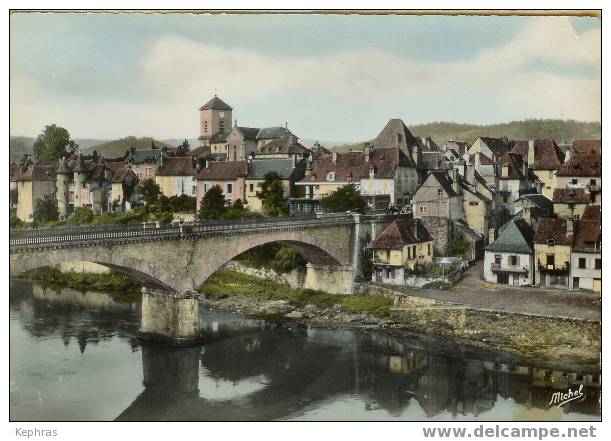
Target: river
76, 356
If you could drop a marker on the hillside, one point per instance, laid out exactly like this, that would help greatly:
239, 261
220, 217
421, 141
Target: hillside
118, 147
18, 146
527, 129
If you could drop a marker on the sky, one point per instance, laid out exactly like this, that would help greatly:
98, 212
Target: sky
330, 77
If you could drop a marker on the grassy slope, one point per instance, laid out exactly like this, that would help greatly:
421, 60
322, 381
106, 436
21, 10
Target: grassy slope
225, 283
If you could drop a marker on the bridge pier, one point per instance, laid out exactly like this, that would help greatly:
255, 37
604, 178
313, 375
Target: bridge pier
329, 278
170, 318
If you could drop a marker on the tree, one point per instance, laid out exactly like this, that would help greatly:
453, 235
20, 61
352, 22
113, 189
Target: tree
213, 204
344, 198
149, 190
46, 210
238, 204
81, 216
14, 197
183, 148
53, 144
272, 195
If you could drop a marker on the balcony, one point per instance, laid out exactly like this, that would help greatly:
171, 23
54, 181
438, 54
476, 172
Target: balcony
553, 268
593, 188
496, 267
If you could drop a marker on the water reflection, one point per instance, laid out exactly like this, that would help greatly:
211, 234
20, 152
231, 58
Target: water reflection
256, 370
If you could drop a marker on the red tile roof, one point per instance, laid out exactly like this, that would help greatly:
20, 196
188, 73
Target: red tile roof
38, 173
514, 163
587, 231
582, 165
552, 229
401, 232
571, 196
588, 146
223, 171
354, 166
547, 154
177, 166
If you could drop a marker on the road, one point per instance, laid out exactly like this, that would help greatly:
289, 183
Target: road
473, 292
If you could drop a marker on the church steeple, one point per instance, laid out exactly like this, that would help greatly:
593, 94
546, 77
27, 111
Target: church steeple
214, 117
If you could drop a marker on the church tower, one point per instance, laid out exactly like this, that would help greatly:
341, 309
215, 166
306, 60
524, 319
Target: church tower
214, 117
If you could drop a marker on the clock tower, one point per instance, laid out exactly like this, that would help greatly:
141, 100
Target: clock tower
214, 118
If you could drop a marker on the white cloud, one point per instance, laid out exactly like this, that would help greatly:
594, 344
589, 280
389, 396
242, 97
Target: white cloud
178, 74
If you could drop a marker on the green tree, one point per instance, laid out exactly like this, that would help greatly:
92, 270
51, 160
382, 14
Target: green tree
344, 198
46, 210
213, 204
53, 144
149, 190
183, 148
272, 195
81, 216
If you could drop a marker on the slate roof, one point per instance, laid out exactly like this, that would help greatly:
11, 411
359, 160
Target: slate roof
284, 167
592, 212
465, 229
483, 159
571, 196
200, 152
588, 146
539, 200
353, 166
460, 147
120, 171
515, 237
38, 173
428, 144
388, 136
140, 156
79, 164
217, 104
445, 181
553, 228
223, 171
547, 153
586, 231
401, 232
248, 132
514, 163
177, 166
582, 165
273, 133
287, 146
219, 137
475, 193
497, 145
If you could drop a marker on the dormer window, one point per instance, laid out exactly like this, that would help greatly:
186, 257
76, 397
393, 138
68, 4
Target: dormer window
551, 242
331, 176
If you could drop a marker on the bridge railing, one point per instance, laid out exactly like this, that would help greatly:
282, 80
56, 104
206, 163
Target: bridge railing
97, 234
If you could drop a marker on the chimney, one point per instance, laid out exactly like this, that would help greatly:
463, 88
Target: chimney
334, 157
455, 185
294, 161
531, 152
415, 154
207, 163
569, 226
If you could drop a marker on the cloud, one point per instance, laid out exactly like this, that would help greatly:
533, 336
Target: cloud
357, 90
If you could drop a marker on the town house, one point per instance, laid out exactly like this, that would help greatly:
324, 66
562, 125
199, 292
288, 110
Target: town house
582, 170
544, 158
176, 176
402, 246
34, 183
290, 170
510, 258
586, 255
553, 241
230, 176
571, 202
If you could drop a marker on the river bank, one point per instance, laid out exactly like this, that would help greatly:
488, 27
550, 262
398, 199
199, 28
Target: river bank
527, 336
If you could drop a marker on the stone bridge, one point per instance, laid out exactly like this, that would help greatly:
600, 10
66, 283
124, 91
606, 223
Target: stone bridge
172, 262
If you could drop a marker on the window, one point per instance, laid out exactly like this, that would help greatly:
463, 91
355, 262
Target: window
582, 262
148, 171
551, 242
221, 126
473, 204
205, 188
422, 209
590, 245
206, 126
429, 249
574, 181
414, 252
550, 259
439, 192
497, 259
513, 260
592, 181
331, 176
598, 264
409, 252
229, 188
252, 188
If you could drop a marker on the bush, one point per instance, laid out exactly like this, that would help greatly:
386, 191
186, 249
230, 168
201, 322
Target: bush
81, 216
46, 210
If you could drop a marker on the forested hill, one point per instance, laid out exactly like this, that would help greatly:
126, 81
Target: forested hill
528, 129
118, 147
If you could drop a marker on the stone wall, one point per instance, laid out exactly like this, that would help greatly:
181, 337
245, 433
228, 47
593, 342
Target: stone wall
294, 279
174, 316
82, 267
440, 229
